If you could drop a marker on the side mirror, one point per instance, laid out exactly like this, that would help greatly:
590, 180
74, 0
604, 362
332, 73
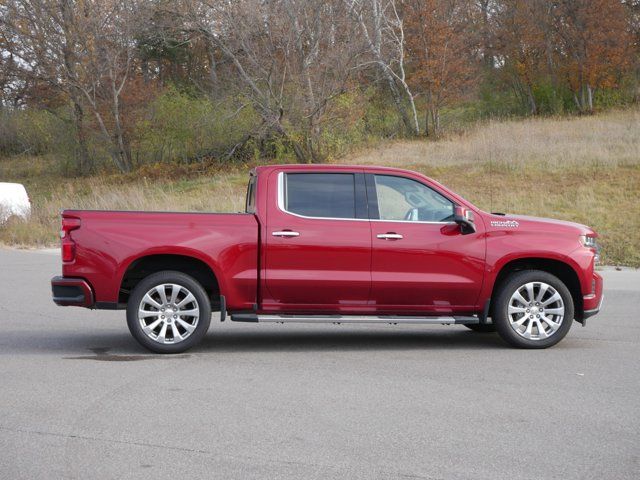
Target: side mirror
464, 218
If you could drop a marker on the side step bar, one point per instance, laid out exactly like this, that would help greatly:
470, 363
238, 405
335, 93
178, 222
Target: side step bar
390, 319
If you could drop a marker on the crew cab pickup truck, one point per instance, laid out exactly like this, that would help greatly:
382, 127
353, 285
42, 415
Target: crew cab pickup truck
333, 244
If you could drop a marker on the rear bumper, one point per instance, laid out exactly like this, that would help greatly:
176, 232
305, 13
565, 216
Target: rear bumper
593, 302
69, 291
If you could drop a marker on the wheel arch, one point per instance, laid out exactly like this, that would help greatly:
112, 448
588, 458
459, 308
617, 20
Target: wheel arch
145, 265
563, 270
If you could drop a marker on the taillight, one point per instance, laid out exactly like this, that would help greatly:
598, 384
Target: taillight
68, 250
68, 245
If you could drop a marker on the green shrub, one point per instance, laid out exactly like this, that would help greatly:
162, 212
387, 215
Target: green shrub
34, 132
183, 127
551, 100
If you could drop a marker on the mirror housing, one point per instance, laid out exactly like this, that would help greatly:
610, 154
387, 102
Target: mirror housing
464, 217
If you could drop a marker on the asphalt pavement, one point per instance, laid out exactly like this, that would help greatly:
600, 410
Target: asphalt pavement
79, 399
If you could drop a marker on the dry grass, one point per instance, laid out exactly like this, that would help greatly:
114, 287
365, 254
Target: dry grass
612, 138
212, 192
582, 169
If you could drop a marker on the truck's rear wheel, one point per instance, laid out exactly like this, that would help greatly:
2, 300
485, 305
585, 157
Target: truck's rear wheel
533, 309
168, 312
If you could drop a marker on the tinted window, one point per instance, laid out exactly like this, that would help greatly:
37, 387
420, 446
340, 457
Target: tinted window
320, 194
251, 195
401, 198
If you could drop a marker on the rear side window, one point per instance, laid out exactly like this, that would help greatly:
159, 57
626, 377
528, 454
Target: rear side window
250, 206
324, 195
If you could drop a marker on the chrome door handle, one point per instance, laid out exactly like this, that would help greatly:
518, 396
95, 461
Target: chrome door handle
285, 233
390, 236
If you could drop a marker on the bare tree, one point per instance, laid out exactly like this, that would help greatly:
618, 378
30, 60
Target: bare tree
43, 47
84, 51
292, 58
383, 28
105, 31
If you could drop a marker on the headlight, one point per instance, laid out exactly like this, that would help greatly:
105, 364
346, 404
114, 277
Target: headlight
590, 242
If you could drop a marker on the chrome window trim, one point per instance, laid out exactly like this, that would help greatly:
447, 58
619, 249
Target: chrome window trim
411, 221
282, 208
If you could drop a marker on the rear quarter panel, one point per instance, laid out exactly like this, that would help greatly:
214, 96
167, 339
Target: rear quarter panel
108, 242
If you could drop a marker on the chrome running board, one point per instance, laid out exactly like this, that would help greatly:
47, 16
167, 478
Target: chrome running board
389, 319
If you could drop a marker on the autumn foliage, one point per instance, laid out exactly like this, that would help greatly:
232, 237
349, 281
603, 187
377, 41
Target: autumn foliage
300, 79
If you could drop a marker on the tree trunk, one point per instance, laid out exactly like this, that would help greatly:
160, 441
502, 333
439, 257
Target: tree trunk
397, 101
122, 149
144, 67
83, 161
576, 101
213, 69
426, 123
533, 107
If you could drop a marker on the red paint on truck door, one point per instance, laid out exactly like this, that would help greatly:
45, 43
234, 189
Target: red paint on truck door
318, 241
421, 261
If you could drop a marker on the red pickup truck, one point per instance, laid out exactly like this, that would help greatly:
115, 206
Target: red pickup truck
332, 244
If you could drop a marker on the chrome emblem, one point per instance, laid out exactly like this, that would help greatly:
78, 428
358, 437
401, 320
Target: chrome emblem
505, 223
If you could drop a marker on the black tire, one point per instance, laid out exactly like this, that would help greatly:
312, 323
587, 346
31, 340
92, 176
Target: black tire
190, 285
500, 309
481, 327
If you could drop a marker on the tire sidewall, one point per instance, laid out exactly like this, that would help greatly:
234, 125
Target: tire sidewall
179, 278
506, 290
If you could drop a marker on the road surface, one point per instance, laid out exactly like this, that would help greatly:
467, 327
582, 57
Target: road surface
80, 399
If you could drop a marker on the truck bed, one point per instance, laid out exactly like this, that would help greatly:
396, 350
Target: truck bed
108, 243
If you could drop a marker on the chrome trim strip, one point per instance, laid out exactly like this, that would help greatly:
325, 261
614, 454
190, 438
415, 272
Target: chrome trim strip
284, 210
364, 319
411, 221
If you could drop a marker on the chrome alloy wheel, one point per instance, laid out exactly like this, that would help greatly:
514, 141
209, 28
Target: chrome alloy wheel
168, 313
535, 311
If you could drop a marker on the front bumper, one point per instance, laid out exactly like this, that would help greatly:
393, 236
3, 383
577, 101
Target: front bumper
593, 302
69, 291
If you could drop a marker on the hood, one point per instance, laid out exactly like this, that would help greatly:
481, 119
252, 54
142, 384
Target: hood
525, 222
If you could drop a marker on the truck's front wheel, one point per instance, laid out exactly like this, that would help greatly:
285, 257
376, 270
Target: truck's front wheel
168, 312
533, 309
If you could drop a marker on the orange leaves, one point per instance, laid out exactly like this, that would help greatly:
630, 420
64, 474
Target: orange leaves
439, 59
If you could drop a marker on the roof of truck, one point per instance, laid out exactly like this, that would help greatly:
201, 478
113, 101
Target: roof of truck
325, 167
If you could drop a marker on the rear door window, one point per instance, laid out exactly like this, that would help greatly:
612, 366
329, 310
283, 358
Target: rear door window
320, 195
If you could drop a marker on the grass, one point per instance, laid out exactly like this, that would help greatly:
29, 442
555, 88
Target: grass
160, 190
584, 169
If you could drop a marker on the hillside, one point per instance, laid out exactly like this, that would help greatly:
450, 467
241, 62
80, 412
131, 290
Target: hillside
585, 169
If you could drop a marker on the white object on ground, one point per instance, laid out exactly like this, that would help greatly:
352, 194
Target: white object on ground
13, 201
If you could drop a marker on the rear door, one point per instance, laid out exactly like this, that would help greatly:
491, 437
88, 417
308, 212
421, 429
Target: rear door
318, 245
420, 259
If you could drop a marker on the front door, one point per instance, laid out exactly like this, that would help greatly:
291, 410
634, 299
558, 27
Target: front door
318, 242
421, 261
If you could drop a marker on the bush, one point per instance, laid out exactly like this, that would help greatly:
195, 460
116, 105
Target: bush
183, 127
31, 131
551, 100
